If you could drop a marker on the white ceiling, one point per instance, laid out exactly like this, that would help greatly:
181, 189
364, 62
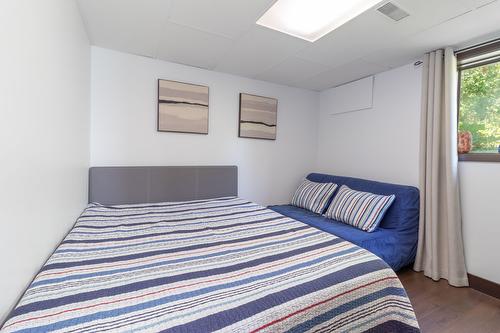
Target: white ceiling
221, 35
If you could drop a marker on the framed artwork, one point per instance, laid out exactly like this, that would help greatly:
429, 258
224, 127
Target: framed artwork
258, 117
182, 107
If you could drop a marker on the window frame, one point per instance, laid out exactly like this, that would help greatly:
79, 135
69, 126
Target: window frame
470, 52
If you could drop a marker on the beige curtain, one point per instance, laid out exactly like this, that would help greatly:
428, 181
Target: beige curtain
440, 252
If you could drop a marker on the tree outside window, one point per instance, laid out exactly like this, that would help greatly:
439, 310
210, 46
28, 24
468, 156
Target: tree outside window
480, 107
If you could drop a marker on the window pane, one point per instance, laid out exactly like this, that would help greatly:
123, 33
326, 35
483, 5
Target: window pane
480, 107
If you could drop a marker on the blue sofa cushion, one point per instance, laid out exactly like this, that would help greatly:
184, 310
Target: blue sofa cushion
395, 240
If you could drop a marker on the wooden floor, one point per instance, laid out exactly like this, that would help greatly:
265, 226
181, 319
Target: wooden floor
443, 308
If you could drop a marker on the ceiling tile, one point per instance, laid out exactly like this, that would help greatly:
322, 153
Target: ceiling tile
192, 47
352, 40
406, 53
258, 50
463, 28
229, 18
372, 31
477, 3
125, 25
453, 33
431, 12
340, 75
292, 71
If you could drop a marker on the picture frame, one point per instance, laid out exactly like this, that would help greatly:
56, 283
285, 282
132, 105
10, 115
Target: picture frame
182, 107
258, 116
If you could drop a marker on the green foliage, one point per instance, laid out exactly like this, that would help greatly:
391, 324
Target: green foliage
480, 106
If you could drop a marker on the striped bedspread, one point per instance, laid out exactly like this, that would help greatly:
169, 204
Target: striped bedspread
224, 265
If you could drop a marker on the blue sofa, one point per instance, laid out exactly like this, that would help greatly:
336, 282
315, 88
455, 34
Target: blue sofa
395, 240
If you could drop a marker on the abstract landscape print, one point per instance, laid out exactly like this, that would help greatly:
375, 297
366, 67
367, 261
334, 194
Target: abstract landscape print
258, 117
182, 107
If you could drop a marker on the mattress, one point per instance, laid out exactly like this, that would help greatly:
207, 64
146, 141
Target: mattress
225, 265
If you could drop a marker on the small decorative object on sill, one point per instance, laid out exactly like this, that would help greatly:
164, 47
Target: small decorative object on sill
464, 142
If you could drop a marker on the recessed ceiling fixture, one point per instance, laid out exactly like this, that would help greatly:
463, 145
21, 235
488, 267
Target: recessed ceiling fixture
312, 19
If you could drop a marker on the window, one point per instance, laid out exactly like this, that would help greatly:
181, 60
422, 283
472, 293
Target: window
479, 102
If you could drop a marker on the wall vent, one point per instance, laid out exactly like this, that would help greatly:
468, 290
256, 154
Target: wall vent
392, 11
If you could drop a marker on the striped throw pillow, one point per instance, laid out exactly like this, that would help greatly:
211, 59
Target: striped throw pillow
362, 210
313, 196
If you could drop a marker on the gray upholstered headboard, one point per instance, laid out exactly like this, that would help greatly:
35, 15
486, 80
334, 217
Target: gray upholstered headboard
128, 185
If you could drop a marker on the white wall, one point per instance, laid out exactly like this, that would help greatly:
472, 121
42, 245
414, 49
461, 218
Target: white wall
383, 144
479, 190
44, 134
123, 125
380, 143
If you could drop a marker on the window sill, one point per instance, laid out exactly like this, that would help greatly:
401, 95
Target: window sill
479, 157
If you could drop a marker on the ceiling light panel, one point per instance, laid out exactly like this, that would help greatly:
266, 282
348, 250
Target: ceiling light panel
312, 19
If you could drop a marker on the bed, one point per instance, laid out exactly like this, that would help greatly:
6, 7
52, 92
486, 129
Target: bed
206, 265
